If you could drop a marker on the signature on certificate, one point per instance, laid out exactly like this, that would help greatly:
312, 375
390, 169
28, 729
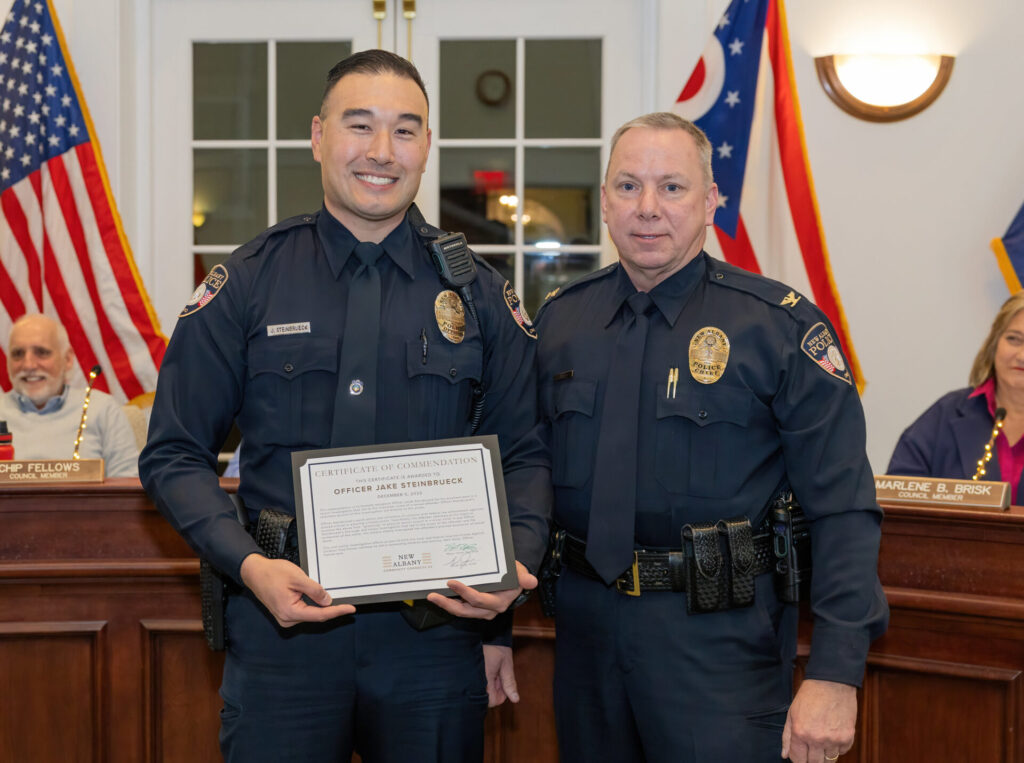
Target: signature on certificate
461, 554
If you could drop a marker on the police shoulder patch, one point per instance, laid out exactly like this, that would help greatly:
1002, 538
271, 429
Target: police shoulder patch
519, 314
206, 291
820, 346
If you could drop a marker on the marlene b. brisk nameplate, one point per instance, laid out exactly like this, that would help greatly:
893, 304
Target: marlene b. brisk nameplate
394, 522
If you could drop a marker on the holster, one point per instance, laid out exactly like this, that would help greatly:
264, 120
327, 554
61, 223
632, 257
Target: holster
214, 587
276, 536
791, 542
549, 572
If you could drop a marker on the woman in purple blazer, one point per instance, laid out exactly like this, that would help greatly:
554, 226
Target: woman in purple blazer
949, 439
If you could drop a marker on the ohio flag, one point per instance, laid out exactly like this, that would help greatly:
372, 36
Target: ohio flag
743, 95
63, 251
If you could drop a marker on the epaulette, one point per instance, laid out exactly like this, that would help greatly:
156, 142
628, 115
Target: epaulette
576, 284
252, 247
765, 289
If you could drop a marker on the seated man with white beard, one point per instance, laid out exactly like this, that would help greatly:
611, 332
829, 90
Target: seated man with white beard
43, 411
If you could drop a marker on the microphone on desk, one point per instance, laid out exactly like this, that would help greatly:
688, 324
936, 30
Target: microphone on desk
96, 371
987, 455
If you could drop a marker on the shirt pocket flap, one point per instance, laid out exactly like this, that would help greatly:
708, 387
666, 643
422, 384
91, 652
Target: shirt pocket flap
288, 357
708, 406
454, 362
576, 395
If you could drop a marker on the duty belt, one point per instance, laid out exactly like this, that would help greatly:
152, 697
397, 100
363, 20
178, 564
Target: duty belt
665, 570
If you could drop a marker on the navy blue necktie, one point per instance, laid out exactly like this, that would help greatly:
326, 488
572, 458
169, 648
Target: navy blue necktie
355, 402
613, 497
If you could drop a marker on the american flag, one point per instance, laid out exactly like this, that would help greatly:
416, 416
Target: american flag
742, 94
63, 251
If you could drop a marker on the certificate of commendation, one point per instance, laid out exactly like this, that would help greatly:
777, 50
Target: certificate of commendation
394, 522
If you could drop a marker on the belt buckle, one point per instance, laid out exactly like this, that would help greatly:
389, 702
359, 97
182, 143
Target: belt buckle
635, 590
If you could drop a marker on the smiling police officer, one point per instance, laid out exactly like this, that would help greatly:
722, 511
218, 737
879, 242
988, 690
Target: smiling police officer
685, 399
328, 330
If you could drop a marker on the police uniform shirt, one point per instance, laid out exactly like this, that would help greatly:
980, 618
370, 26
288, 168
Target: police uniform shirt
713, 449
260, 341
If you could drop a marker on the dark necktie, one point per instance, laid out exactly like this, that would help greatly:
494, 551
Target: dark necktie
613, 498
355, 402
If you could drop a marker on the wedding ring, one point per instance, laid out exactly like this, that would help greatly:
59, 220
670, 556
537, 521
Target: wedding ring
832, 757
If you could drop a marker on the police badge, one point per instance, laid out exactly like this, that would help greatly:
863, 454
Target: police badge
450, 316
709, 354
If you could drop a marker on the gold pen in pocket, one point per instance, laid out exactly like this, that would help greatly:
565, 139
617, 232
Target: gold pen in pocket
673, 383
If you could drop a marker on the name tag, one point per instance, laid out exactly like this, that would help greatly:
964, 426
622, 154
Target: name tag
288, 328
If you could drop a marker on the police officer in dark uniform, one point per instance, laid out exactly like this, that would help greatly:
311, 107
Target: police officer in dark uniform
329, 330
682, 396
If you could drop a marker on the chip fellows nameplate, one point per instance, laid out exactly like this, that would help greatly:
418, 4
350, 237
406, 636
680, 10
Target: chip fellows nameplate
48, 472
956, 494
396, 522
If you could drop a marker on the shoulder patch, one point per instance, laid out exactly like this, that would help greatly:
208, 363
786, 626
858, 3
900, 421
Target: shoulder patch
820, 346
519, 314
206, 291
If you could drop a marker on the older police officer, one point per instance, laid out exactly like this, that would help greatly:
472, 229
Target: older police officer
682, 396
320, 333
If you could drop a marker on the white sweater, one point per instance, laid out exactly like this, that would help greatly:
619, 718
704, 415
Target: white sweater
108, 435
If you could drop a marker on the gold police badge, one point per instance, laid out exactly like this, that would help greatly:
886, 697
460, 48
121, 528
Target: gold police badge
450, 316
709, 354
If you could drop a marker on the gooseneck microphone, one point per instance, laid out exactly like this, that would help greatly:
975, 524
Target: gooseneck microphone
987, 455
96, 371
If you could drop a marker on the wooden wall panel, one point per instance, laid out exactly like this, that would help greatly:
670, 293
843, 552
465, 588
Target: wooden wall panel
51, 675
99, 618
182, 677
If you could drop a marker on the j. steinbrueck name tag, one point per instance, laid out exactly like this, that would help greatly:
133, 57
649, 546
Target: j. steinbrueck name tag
955, 494
47, 472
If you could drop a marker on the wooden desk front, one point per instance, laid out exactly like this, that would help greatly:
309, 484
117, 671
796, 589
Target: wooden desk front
102, 656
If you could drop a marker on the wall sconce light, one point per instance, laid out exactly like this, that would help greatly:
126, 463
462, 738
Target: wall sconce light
883, 88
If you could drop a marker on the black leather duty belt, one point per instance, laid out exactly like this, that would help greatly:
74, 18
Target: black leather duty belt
661, 570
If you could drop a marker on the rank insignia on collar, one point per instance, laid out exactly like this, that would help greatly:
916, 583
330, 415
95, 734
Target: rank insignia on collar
450, 316
820, 346
515, 306
709, 354
790, 300
551, 293
206, 291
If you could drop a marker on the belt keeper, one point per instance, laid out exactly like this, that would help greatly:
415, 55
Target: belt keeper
623, 586
740, 542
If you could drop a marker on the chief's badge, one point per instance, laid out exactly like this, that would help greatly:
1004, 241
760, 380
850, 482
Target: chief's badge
709, 354
206, 291
450, 316
515, 306
821, 347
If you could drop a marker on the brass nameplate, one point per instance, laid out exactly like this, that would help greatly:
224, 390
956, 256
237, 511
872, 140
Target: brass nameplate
48, 472
957, 494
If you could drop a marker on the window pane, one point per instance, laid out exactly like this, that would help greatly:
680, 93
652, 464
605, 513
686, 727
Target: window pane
478, 89
230, 194
301, 73
477, 193
229, 90
563, 195
546, 271
563, 89
299, 189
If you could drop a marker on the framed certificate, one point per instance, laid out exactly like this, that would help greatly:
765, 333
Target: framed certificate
394, 522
